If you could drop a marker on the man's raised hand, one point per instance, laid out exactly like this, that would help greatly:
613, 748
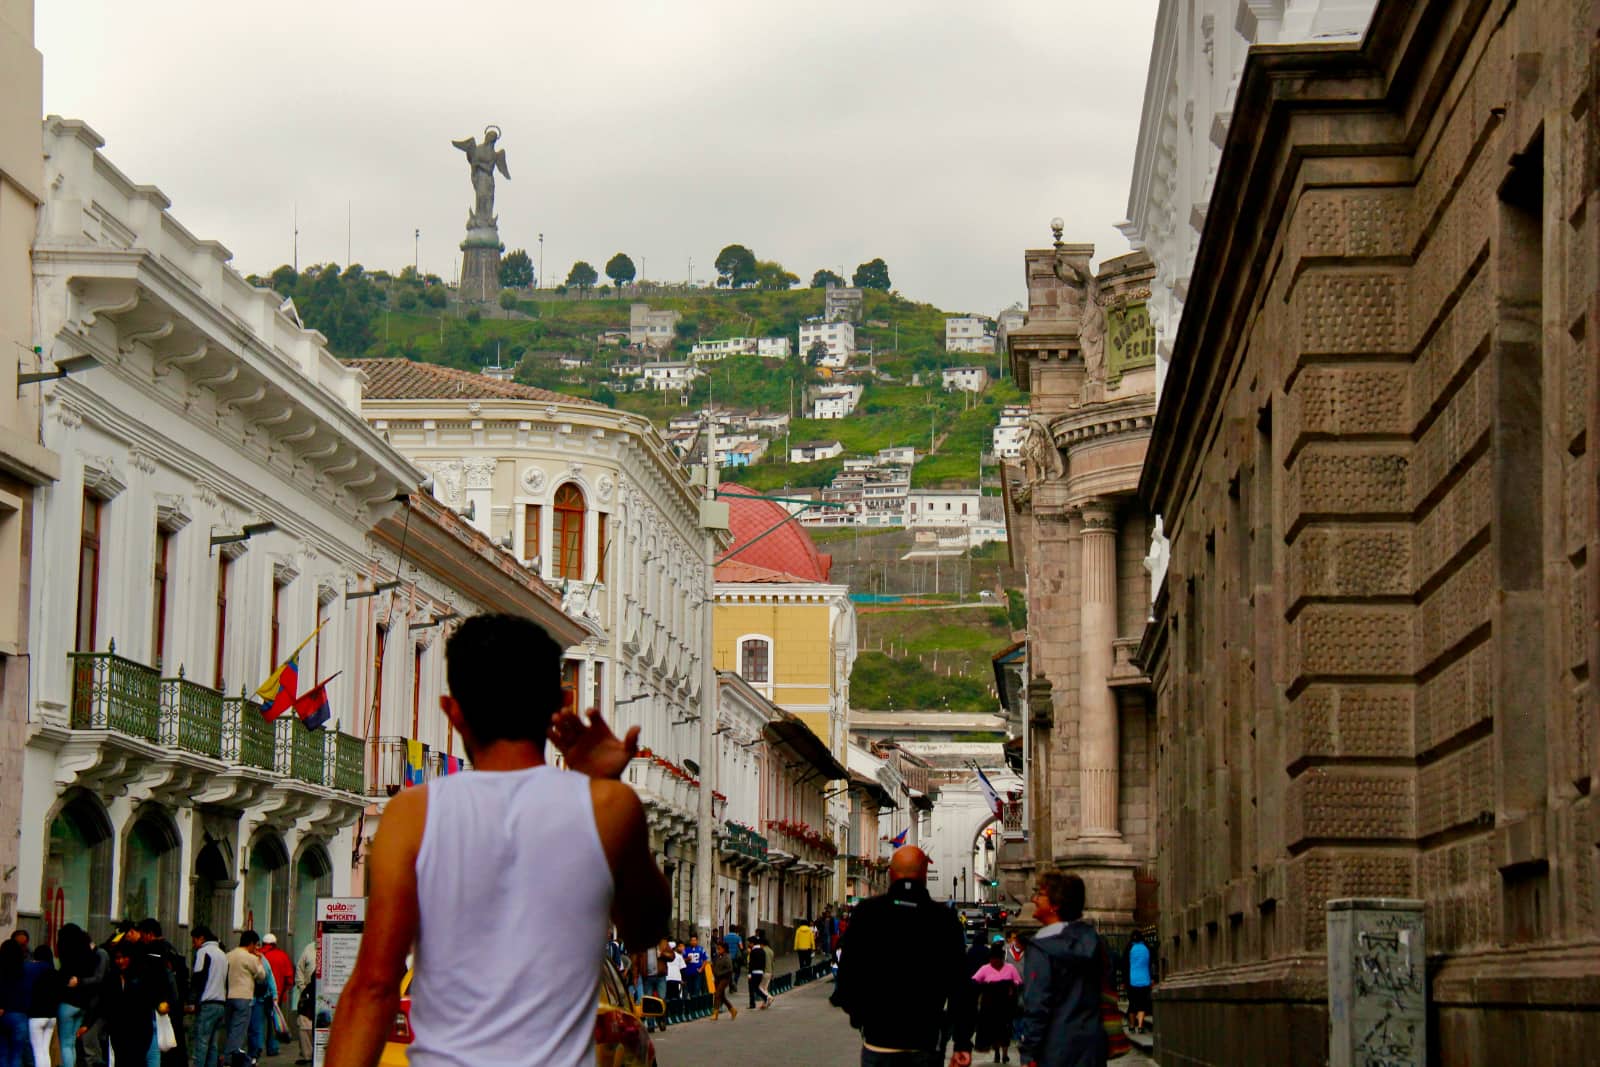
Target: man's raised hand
590, 747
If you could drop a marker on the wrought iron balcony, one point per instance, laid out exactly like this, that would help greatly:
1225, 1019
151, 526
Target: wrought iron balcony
301, 754
247, 737
191, 716
113, 693
349, 764
391, 766
743, 841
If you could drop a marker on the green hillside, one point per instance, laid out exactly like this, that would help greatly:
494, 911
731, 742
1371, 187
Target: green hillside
378, 314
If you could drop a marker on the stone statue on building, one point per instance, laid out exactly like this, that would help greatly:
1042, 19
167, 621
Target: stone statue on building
480, 259
482, 159
1092, 333
1156, 560
1040, 453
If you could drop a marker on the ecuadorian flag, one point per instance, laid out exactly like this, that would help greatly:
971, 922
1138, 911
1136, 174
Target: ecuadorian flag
415, 755
277, 693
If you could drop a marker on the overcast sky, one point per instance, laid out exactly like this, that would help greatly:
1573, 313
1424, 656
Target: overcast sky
940, 135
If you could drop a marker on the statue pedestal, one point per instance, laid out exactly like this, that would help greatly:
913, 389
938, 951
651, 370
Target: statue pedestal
480, 269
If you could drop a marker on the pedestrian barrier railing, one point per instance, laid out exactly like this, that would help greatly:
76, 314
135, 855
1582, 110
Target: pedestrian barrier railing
687, 1009
191, 716
113, 693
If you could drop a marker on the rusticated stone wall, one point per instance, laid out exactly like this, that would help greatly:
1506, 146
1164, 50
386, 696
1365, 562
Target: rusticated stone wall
1372, 654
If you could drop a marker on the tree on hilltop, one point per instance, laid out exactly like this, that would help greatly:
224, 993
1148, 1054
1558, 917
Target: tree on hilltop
824, 278
873, 274
516, 270
620, 269
772, 277
736, 267
582, 275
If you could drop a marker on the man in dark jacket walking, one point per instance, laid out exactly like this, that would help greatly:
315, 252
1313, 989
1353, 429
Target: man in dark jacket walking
902, 975
1064, 968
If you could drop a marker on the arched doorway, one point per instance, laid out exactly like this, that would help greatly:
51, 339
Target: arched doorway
77, 866
266, 885
313, 878
150, 857
214, 883
986, 863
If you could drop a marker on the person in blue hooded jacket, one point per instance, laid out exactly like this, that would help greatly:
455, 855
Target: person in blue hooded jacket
1064, 969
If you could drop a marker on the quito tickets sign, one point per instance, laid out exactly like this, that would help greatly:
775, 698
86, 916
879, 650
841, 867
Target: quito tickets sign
340, 921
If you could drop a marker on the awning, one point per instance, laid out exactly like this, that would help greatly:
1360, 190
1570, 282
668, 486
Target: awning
792, 731
874, 789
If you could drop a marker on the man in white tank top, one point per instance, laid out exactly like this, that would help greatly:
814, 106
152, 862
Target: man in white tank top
473, 869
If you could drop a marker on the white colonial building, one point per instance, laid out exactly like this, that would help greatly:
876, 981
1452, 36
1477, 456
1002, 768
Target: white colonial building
943, 507
1012, 429
1195, 63
221, 497
651, 328
594, 501
838, 337
965, 379
969, 334
835, 401
670, 376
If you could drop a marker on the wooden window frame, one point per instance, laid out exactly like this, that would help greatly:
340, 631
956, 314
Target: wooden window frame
89, 528
160, 575
567, 533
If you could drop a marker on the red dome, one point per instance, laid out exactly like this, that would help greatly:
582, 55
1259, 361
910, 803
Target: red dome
786, 550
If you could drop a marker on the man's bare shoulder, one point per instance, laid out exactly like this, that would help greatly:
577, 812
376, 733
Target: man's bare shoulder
405, 816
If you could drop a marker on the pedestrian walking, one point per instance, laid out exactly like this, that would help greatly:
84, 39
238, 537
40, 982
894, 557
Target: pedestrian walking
44, 1002
722, 978
805, 942
83, 969
902, 975
14, 994
1066, 969
209, 983
245, 969
998, 984
1139, 982
260, 1037
169, 972
694, 965
133, 995
281, 967
655, 980
674, 971
1014, 948
467, 865
733, 941
758, 972
305, 1007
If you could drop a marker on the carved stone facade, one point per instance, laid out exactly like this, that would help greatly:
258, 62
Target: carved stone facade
1372, 652
1086, 358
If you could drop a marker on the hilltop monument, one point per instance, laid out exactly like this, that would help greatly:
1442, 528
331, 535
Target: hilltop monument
480, 252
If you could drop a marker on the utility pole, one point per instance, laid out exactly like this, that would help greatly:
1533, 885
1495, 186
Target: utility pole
349, 224
713, 518
416, 254
539, 284
297, 238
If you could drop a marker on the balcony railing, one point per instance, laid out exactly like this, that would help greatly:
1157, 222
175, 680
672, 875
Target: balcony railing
191, 716
246, 736
302, 753
744, 841
112, 693
349, 764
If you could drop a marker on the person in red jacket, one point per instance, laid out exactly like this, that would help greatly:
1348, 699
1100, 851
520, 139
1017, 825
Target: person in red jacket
282, 968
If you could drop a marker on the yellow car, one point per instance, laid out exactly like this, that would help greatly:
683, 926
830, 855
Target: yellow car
620, 1039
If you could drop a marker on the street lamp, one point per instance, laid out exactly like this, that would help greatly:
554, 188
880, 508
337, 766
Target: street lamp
71, 365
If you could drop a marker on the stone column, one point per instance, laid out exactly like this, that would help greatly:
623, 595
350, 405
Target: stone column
1097, 715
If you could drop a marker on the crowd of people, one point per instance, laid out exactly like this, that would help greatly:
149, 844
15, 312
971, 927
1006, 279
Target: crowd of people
135, 999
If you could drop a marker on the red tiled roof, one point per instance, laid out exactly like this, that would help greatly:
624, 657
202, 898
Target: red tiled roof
787, 550
735, 571
405, 379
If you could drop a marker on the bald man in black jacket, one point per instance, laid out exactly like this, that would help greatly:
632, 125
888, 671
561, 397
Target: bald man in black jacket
902, 973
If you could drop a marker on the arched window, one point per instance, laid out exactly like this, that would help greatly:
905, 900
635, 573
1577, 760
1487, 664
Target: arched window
568, 538
755, 660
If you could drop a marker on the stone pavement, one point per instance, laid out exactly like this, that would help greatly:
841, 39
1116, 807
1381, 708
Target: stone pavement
801, 1029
